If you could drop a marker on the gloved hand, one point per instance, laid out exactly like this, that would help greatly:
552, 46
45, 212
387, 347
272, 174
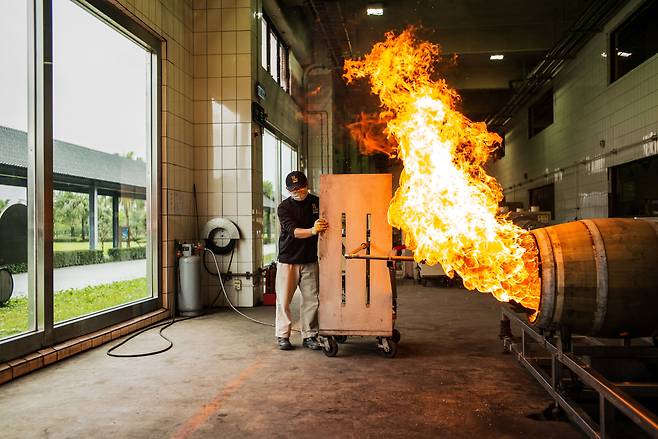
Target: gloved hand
319, 226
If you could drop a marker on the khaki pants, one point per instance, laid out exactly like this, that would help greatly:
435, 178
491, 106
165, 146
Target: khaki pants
288, 278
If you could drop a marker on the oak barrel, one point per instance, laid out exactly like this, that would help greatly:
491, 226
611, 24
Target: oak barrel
599, 277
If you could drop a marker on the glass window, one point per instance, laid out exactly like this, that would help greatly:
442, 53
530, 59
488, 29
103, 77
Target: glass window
263, 43
274, 57
286, 164
634, 189
294, 159
17, 299
540, 114
634, 41
271, 197
279, 159
283, 64
102, 146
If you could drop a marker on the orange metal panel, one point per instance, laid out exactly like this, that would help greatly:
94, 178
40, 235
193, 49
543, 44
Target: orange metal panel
355, 196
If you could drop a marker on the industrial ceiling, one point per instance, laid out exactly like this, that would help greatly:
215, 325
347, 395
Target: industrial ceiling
524, 32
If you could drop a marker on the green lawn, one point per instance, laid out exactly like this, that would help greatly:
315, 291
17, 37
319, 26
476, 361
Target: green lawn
73, 303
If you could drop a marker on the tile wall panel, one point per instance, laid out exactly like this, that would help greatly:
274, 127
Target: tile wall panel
222, 132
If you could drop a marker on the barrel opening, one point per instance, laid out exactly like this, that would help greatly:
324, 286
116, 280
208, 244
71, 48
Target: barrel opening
534, 318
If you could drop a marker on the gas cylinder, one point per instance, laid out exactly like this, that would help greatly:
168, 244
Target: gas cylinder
190, 302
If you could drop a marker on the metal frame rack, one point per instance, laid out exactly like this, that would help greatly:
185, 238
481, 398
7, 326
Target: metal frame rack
566, 366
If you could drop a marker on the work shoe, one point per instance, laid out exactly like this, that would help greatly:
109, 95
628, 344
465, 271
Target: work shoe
284, 343
312, 343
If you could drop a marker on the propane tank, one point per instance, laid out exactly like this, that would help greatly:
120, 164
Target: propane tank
190, 302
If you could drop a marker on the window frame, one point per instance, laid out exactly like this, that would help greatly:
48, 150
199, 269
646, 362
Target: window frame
40, 174
532, 131
629, 21
282, 59
279, 188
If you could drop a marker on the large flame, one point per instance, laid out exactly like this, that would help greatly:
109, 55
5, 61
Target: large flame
446, 204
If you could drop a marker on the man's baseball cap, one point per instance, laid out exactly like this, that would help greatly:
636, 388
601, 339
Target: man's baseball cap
296, 180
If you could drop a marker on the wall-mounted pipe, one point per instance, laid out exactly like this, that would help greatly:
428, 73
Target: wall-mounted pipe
613, 151
324, 137
305, 131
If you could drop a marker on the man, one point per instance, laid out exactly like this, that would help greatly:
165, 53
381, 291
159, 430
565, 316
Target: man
299, 216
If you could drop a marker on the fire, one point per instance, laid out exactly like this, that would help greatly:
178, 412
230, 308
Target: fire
368, 131
446, 203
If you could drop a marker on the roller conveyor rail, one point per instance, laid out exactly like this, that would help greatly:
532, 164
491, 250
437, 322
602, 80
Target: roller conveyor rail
565, 355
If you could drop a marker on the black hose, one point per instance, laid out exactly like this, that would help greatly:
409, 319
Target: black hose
164, 325
146, 354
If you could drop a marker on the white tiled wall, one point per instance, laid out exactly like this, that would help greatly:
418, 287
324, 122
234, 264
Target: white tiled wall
173, 22
587, 110
223, 146
210, 68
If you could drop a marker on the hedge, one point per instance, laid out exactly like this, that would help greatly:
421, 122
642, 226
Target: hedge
71, 258
127, 254
68, 258
17, 268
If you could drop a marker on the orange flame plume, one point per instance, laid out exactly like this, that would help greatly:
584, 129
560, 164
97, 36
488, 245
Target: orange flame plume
446, 204
369, 132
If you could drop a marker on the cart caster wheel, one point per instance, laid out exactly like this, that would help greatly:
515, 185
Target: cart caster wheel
396, 336
341, 338
330, 349
388, 347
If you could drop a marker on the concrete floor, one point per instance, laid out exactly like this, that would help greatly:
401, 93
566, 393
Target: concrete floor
224, 378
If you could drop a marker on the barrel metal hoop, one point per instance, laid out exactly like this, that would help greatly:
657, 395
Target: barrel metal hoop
601, 262
559, 275
547, 267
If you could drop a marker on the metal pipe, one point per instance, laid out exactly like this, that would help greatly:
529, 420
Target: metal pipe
612, 393
583, 162
380, 257
305, 126
325, 35
324, 135
347, 35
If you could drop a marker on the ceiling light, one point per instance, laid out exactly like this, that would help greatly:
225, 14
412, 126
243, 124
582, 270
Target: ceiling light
375, 9
624, 54
497, 57
604, 55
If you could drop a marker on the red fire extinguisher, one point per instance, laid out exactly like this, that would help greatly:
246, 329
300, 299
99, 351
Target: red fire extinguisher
269, 297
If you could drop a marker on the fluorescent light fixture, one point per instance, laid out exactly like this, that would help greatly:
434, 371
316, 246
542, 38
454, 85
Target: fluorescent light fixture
496, 57
375, 9
624, 54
